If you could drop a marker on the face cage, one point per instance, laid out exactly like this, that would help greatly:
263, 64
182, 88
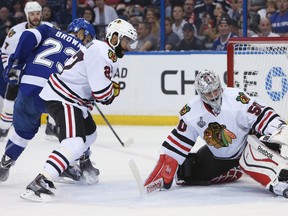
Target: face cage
215, 103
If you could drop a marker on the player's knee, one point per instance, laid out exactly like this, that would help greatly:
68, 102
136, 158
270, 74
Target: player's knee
90, 139
185, 171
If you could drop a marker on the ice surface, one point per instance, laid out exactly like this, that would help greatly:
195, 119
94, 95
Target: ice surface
117, 193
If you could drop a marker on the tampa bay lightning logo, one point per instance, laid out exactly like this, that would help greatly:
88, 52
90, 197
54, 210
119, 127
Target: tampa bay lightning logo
276, 84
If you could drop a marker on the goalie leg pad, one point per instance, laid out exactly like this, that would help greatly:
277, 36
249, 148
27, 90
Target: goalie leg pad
264, 165
166, 169
231, 175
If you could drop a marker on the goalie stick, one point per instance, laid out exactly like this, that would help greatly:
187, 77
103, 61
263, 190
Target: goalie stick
154, 186
124, 144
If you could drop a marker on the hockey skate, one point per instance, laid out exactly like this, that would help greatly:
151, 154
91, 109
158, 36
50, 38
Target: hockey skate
3, 133
39, 190
51, 131
71, 175
90, 174
280, 185
5, 166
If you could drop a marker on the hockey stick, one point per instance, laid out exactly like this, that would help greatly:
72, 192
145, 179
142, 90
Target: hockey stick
127, 143
154, 186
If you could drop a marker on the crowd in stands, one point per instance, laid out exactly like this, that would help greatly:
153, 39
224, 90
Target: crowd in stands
189, 24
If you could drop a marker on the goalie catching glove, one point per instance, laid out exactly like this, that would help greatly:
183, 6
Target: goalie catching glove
116, 92
280, 136
12, 71
165, 169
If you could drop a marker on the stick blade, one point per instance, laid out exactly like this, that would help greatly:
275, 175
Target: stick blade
128, 142
154, 186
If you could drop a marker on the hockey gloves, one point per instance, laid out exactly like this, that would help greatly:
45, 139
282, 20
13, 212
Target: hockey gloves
279, 136
116, 92
166, 169
12, 71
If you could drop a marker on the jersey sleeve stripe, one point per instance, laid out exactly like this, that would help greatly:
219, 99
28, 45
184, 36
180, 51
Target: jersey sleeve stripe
65, 92
183, 138
270, 120
178, 144
264, 120
104, 94
171, 148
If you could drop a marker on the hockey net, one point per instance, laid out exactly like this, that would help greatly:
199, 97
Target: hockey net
259, 66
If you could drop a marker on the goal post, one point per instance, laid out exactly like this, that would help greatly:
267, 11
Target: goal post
259, 66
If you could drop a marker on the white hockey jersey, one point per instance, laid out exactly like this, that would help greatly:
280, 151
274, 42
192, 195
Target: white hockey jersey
86, 77
12, 40
225, 134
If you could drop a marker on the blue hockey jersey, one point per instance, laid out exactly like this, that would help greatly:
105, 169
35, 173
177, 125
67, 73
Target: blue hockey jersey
44, 51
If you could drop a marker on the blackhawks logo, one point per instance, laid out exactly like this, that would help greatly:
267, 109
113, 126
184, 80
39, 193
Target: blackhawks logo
243, 98
184, 110
112, 55
218, 135
11, 33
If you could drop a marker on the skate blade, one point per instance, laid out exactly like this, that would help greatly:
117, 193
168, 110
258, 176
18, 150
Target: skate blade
31, 196
66, 180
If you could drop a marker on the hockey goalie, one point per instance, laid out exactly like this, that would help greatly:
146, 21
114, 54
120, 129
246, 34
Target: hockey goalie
241, 135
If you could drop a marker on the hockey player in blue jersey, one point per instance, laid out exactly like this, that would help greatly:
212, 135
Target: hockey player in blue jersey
33, 13
39, 53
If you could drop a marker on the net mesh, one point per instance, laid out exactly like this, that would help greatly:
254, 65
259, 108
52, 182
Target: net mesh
261, 70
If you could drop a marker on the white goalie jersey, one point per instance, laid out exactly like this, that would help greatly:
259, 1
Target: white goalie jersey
86, 77
225, 134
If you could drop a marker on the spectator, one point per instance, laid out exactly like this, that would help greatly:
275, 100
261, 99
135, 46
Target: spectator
168, 8
265, 29
206, 7
153, 18
209, 27
88, 14
146, 41
189, 14
178, 16
271, 8
134, 20
279, 20
62, 11
16, 7
18, 17
48, 15
236, 10
235, 27
253, 21
258, 6
172, 39
121, 12
5, 23
86, 3
135, 10
190, 42
104, 14
224, 28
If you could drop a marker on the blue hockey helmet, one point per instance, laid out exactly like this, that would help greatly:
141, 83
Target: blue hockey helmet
81, 23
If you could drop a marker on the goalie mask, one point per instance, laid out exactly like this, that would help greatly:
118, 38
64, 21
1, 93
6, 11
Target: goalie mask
208, 86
